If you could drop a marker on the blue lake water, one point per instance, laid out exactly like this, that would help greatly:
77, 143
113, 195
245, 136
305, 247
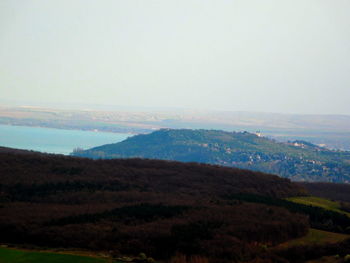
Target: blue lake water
54, 140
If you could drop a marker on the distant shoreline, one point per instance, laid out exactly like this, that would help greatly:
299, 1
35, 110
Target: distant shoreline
324, 130
53, 140
115, 131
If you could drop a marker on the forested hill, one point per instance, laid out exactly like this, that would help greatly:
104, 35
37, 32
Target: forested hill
163, 209
299, 160
133, 206
26, 169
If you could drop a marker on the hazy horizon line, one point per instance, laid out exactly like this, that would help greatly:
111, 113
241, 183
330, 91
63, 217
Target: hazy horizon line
110, 107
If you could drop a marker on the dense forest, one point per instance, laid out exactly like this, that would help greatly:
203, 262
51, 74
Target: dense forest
298, 160
161, 208
339, 192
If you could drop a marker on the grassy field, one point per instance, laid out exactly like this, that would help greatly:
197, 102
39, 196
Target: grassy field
315, 237
320, 202
9, 255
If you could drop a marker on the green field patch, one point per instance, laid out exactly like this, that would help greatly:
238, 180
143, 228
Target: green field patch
9, 255
319, 202
315, 237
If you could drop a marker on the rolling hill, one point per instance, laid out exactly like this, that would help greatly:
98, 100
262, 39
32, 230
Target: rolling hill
298, 160
163, 209
133, 206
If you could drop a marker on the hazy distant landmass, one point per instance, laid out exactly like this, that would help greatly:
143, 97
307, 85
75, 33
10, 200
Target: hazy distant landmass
331, 131
298, 160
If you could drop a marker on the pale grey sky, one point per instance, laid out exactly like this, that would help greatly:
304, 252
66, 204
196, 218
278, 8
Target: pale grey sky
248, 55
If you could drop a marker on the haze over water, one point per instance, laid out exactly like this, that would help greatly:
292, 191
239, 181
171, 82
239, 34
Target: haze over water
57, 141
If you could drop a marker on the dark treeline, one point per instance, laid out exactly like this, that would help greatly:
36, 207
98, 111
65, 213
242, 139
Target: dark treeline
301, 254
37, 191
160, 208
320, 218
142, 212
307, 253
339, 192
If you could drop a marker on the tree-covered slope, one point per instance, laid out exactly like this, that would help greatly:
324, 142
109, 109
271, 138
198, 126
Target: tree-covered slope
299, 160
164, 209
160, 208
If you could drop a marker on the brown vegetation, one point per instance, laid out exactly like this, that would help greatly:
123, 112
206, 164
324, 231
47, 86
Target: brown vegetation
130, 206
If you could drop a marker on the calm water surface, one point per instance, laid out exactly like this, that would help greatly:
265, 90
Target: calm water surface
54, 140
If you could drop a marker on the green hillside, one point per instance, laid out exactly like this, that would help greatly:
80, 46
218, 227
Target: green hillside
299, 160
315, 237
19, 256
320, 202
